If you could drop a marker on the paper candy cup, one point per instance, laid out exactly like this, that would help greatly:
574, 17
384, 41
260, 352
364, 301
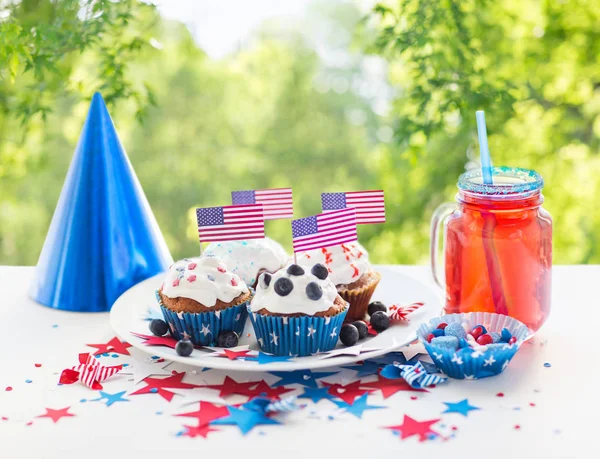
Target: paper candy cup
203, 328
466, 363
359, 299
285, 336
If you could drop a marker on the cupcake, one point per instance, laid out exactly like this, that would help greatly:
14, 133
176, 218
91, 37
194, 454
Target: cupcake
350, 271
297, 311
200, 298
249, 258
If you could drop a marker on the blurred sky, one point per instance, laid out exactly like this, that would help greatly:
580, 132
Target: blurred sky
219, 26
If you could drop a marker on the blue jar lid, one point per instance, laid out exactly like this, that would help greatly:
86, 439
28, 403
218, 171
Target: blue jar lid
507, 181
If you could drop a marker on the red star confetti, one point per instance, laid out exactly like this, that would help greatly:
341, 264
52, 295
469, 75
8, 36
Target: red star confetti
389, 387
160, 385
89, 371
198, 431
399, 313
262, 389
230, 386
206, 413
56, 415
114, 345
232, 355
151, 340
410, 427
347, 393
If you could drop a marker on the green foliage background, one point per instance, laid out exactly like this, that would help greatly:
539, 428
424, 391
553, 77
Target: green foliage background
263, 118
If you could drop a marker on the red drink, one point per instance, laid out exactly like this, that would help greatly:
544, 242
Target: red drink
498, 247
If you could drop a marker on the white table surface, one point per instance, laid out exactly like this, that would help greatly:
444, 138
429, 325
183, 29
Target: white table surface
560, 425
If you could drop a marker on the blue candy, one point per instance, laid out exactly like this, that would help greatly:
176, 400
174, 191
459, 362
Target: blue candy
463, 343
506, 335
456, 330
445, 342
495, 346
496, 337
483, 328
437, 332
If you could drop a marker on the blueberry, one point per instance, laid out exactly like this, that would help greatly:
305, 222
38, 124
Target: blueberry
362, 328
320, 271
379, 321
228, 339
376, 306
455, 329
283, 286
264, 280
159, 327
295, 270
314, 291
349, 335
184, 348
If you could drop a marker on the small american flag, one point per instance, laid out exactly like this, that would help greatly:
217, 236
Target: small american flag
324, 230
230, 223
370, 205
277, 202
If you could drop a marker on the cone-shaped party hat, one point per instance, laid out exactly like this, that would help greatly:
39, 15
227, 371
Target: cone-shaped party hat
103, 237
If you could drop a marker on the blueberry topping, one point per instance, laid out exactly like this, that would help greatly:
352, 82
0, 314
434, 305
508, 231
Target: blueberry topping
362, 328
295, 270
159, 327
264, 280
283, 286
349, 335
376, 306
228, 339
184, 348
320, 271
380, 321
314, 291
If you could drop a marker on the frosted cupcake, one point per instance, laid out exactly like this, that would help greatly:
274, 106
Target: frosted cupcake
297, 311
199, 298
249, 258
350, 271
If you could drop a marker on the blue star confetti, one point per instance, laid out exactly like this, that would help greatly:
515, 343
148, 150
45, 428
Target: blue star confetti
390, 359
305, 378
359, 407
244, 419
461, 407
111, 398
317, 394
367, 368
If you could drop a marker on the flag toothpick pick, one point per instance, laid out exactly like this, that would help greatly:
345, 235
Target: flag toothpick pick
324, 230
277, 202
230, 223
369, 205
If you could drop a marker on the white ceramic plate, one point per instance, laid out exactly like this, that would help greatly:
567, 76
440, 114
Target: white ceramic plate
127, 315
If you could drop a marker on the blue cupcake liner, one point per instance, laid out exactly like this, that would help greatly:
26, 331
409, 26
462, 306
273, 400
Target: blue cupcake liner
466, 363
203, 328
296, 336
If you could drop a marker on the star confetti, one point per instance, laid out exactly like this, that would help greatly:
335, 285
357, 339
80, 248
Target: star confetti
56, 415
410, 427
461, 407
349, 392
359, 406
151, 340
245, 419
89, 371
317, 394
366, 368
251, 389
197, 431
389, 387
399, 313
111, 398
206, 412
160, 386
140, 370
305, 378
115, 345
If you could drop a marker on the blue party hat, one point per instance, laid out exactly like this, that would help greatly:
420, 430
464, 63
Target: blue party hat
103, 238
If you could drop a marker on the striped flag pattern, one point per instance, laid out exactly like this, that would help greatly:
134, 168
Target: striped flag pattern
369, 205
277, 202
418, 378
285, 405
399, 313
89, 371
230, 223
324, 230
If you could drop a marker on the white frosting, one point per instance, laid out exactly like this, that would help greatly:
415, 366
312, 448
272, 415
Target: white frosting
203, 279
346, 262
296, 301
246, 258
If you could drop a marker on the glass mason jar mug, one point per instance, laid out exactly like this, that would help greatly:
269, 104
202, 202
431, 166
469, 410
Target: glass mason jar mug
497, 247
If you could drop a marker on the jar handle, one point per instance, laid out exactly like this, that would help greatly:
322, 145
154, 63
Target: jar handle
437, 221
